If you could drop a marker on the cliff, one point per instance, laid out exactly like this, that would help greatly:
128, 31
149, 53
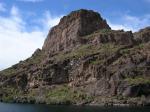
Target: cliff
83, 61
69, 32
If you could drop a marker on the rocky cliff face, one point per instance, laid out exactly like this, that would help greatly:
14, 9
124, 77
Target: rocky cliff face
67, 34
83, 61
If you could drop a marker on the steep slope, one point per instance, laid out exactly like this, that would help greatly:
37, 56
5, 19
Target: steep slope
83, 61
67, 34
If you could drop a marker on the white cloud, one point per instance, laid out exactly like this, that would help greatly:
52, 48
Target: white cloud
14, 11
133, 23
119, 27
30, 0
48, 21
2, 7
15, 42
137, 23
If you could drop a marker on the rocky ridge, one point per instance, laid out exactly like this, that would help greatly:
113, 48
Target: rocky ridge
83, 61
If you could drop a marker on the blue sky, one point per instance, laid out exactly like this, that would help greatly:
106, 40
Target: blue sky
24, 24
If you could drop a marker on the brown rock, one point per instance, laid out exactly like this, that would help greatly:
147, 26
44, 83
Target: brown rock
67, 34
143, 35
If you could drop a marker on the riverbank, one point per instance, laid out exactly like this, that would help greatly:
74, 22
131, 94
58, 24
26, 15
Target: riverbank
134, 102
65, 95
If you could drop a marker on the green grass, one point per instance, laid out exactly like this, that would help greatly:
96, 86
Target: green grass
66, 95
9, 94
105, 31
138, 80
125, 51
8, 98
8, 72
97, 62
102, 31
36, 59
86, 50
140, 46
61, 94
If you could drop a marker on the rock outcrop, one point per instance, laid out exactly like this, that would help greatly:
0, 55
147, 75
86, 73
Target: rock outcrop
143, 35
83, 61
67, 34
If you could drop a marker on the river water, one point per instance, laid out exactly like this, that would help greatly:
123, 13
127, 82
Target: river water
4, 107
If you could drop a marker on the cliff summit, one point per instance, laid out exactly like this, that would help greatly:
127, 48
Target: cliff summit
69, 32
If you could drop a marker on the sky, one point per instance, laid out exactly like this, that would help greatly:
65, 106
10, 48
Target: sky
24, 24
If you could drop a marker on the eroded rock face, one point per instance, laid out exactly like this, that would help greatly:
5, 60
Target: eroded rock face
83, 54
67, 34
117, 37
143, 35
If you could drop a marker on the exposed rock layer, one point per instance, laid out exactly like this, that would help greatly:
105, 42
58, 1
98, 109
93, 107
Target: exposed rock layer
67, 34
84, 59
